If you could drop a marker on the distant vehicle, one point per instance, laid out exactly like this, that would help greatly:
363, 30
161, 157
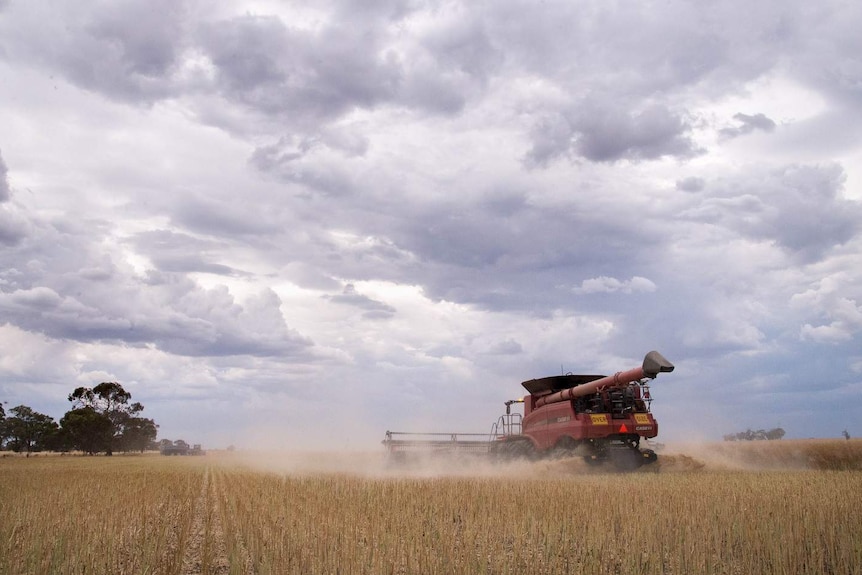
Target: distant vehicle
180, 447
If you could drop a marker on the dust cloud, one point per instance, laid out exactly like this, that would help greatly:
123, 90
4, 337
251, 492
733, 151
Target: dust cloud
799, 454
380, 465
672, 458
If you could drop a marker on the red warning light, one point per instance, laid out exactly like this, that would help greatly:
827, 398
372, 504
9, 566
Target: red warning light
623, 428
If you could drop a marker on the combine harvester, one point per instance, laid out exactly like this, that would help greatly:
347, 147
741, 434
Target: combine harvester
600, 418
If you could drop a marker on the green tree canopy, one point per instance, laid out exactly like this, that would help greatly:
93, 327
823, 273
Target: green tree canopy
87, 429
2, 426
139, 433
751, 435
28, 430
110, 400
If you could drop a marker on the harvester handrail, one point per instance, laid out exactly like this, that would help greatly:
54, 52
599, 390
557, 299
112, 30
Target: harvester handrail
510, 424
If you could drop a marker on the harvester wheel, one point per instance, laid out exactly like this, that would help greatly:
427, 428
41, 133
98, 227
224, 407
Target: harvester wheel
593, 459
627, 459
649, 456
566, 447
598, 453
515, 449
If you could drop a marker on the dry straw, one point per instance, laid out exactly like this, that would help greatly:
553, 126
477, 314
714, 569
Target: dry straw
211, 515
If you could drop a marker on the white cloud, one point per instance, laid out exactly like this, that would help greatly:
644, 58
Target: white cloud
841, 316
832, 333
604, 284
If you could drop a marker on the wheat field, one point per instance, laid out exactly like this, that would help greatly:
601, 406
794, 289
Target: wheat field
799, 512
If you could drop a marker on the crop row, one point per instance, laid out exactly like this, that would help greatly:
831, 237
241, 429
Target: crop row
215, 515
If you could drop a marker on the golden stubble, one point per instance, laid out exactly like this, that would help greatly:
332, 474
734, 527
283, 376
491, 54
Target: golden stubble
353, 513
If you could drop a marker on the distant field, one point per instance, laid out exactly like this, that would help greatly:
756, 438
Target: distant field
818, 454
777, 507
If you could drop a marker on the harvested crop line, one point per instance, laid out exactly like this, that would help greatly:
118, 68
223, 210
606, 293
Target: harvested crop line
205, 551
238, 556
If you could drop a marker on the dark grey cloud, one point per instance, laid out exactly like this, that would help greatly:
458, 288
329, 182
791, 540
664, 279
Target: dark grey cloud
192, 263
385, 11
600, 133
302, 78
225, 216
4, 180
14, 224
826, 50
284, 161
61, 283
748, 124
690, 184
450, 65
631, 49
176, 252
507, 347
492, 248
140, 38
523, 260
372, 309
279, 67
146, 52
170, 314
386, 143
283, 155
286, 76
127, 50
799, 207
467, 47
299, 76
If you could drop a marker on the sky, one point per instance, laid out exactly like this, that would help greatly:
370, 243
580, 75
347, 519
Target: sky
299, 225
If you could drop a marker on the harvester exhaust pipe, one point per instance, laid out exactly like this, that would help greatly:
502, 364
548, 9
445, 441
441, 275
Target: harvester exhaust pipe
654, 363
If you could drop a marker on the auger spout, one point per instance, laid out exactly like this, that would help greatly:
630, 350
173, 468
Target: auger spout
653, 364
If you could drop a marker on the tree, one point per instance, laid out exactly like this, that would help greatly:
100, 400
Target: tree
750, 435
28, 430
112, 401
87, 429
139, 433
2, 425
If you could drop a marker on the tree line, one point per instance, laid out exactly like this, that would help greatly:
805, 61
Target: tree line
101, 420
751, 435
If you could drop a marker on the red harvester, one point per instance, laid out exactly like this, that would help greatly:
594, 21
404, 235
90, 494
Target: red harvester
600, 418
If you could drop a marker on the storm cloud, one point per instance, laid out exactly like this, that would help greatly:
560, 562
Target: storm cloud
291, 217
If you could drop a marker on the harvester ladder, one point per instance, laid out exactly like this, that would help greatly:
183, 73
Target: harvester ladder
507, 424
